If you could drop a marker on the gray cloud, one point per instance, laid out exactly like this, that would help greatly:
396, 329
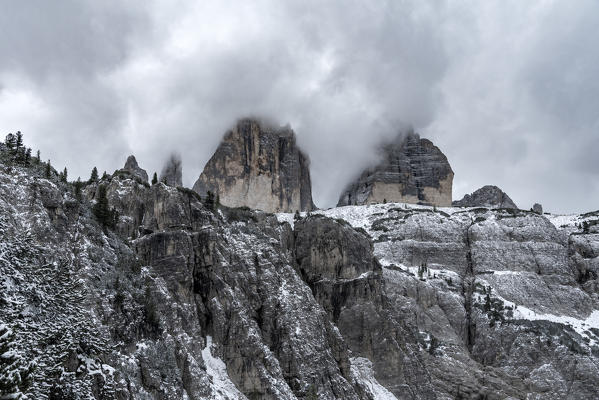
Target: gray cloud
506, 89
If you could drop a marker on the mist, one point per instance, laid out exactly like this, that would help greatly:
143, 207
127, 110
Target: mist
507, 90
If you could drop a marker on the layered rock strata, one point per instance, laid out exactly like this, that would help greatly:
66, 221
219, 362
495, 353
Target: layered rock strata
258, 166
412, 170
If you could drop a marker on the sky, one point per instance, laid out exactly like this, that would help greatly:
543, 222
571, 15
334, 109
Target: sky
508, 90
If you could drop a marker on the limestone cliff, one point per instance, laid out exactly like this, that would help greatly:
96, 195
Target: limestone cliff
178, 301
412, 170
487, 196
258, 166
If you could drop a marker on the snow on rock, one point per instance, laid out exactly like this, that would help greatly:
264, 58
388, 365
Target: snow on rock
361, 369
222, 387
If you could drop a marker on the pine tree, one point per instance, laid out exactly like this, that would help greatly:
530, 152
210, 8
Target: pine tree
10, 141
101, 210
78, 185
94, 175
28, 156
20, 153
63, 176
106, 216
15, 375
487, 305
18, 141
154, 179
104, 176
38, 157
209, 202
48, 169
297, 216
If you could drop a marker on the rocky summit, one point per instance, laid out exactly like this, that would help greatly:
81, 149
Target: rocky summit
412, 170
117, 289
258, 166
487, 196
134, 169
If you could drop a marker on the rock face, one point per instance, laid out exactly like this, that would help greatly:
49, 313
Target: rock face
476, 289
134, 169
172, 172
412, 170
260, 167
487, 196
537, 208
380, 302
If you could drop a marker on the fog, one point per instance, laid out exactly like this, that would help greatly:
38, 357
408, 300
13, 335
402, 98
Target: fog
506, 89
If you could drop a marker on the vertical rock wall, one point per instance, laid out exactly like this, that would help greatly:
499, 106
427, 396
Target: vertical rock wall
260, 167
412, 170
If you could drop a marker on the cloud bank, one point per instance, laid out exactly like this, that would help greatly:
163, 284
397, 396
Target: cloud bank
507, 90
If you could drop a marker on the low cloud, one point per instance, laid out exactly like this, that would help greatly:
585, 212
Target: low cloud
506, 89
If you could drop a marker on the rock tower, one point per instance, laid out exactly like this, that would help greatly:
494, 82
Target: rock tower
259, 166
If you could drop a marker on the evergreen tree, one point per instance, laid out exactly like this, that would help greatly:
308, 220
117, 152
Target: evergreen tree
63, 176
94, 175
20, 153
78, 185
10, 141
487, 305
154, 179
104, 176
18, 141
106, 216
209, 202
28, 156
297, 216
38, 157
48, 169
15, 374
101, 210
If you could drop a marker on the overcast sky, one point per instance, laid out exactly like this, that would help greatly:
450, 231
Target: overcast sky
509, 90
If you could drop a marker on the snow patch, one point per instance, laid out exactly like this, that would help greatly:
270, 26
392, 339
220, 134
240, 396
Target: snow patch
222, 387
361, 369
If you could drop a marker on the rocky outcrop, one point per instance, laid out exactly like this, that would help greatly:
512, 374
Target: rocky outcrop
338, 264
412, 170
258, 166
172, 172
538, 208
134, 169
487, 196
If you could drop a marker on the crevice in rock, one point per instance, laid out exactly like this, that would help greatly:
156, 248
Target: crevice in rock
468, 291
